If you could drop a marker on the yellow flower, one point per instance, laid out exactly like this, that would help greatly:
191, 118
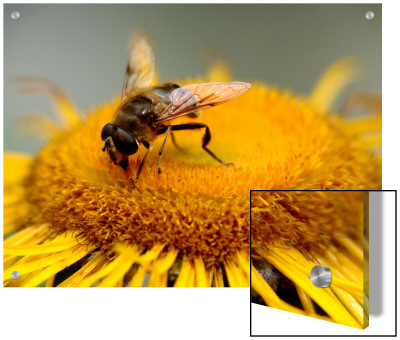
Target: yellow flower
74, 219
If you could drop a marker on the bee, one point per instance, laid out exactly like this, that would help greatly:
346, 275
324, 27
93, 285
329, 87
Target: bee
146, 112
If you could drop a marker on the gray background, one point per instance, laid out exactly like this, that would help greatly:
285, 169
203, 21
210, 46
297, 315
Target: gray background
83, 48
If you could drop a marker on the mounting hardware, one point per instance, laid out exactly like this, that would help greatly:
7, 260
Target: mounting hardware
15, 275
370, 15
321, 276
15, 15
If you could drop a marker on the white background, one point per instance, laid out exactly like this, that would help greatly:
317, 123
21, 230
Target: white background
181, 313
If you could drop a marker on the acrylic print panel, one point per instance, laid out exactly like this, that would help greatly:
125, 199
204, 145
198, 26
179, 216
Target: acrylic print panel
309, 253
73, 218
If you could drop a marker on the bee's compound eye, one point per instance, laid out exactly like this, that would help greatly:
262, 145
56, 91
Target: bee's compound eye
107, 131
125, 142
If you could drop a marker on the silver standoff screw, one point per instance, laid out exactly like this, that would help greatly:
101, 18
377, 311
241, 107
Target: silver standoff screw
15, 15
321, 276
370, 15
15, 275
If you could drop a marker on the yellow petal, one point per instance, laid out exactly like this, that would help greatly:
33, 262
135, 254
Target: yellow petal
128, 258
16, 167
334, 79
139, 277
95, 263
65, 108
186, 277
201, 274
55, 268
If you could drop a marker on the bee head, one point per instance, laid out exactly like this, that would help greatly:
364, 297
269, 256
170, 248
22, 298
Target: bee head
118, 143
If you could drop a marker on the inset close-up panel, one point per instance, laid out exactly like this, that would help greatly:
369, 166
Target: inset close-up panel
323, 263
310, 253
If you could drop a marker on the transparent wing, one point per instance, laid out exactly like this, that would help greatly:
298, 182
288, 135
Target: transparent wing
141, 65
194, 97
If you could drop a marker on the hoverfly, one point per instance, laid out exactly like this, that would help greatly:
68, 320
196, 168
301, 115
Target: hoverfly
146, 112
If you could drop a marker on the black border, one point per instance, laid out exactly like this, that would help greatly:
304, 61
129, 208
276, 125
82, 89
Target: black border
395, 252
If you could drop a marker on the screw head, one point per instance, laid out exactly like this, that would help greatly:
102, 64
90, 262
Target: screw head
321, 276
370, 15
15, 275
15, 15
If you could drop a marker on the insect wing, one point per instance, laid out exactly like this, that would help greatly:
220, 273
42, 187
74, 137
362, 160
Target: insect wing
141, 65
194, 97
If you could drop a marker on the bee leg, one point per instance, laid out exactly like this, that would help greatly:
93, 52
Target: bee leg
206, 140
147, 146
162, 149
175, 143
206, 137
